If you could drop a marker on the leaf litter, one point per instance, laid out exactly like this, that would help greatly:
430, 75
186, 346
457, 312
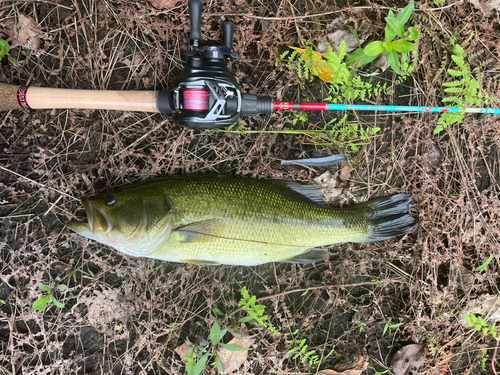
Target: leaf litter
408, 360
419, 280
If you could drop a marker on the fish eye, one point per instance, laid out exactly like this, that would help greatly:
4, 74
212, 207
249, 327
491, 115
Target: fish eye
109, 200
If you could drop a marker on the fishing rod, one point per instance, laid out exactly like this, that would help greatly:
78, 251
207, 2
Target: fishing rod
206, 96
377, 107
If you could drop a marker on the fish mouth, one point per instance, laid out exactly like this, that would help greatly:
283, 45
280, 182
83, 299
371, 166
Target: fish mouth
97, 221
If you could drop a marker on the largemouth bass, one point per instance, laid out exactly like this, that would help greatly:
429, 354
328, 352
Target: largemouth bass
238, 221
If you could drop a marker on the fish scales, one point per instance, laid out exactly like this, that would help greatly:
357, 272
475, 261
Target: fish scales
239, 221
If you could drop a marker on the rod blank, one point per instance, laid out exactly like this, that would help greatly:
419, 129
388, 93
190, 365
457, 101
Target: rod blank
386, 108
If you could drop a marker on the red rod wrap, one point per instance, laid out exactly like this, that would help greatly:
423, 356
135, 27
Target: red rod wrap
21, 97
282, 105
304, 106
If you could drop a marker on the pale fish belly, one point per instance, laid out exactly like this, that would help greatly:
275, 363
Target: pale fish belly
253, 244
225, 251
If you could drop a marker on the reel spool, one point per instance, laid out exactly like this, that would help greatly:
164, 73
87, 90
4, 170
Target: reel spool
207, 95
194, 99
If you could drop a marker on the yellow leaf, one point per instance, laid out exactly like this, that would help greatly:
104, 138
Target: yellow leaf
318, 64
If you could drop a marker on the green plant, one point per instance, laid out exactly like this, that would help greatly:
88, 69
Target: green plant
255, 312
300, 350
4, 50
388, 326
206, 349
484, 358
331, 68
299, 116
352, 137
464, 90
480, 325
485, 264
389, 47
41, 303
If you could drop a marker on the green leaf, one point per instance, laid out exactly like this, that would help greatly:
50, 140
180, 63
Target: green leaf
454, 73
351, 29
215, 334
400, 45
40, 304
220, 365
55, 301
392, 60
374, 48
396, 26
405, 13
411, 34
234, 347
190, 365
389, 33
200, 365
245, 319
154, 269
62, 287
44, 287
483, 266
4, 47
217, 310
358, 57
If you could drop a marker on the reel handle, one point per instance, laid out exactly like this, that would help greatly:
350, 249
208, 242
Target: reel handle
228, 34
195, 8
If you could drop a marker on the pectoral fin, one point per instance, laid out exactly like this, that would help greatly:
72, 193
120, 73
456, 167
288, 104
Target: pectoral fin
309, 256
201, 231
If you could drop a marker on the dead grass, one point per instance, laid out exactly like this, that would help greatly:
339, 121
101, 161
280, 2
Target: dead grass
122, 318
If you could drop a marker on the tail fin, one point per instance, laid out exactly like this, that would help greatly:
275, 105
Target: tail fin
388, 217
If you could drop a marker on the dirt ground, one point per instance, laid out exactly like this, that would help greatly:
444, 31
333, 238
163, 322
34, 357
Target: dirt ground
125, 315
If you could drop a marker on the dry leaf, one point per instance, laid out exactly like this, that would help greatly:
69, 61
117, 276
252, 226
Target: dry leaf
345, 173
182, 350
487, 7
346, 372
486, 305
324, 72
233, 360
408, 360
26, 32
344, 35
329, 185
356, 367
163, 4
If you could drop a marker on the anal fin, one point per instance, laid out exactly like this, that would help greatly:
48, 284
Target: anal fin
311, 255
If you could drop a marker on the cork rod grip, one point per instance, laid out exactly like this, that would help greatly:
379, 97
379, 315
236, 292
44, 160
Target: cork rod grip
15, 97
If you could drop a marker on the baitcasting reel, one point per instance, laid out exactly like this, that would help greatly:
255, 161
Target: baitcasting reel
207, 95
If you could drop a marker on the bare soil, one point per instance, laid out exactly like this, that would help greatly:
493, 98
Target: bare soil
125, 315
